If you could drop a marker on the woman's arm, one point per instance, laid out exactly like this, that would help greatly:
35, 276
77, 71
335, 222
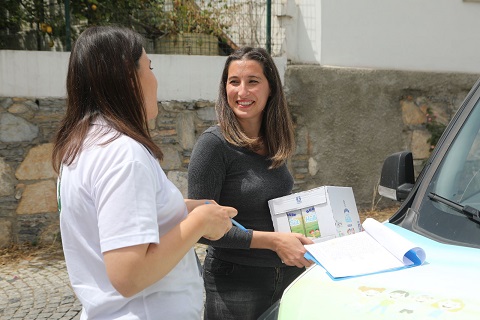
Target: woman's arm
192, 203
206, 174
288, 246
207, 168
132, 269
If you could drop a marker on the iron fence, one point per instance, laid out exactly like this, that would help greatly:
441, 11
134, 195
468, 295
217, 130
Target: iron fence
198, 27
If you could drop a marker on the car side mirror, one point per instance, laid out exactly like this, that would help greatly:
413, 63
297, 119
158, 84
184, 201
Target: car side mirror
398, 176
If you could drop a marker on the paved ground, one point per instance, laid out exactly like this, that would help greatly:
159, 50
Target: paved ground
39, 288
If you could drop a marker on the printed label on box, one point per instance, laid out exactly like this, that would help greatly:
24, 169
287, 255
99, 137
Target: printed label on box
320, 214
310, 220
295, 221
347, 226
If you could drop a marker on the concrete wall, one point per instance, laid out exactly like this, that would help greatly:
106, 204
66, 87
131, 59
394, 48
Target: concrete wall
349, 120
41, 74
427, 35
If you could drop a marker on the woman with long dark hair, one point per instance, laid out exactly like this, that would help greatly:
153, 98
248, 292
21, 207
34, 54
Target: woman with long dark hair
127, 233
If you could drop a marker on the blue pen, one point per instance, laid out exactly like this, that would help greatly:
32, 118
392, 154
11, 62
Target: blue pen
238, 225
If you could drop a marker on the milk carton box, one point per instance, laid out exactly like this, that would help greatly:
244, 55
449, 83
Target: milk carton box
295, 221
320, 214
310, 220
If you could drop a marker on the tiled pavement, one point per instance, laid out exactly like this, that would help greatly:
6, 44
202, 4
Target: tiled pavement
40, 289
37, 289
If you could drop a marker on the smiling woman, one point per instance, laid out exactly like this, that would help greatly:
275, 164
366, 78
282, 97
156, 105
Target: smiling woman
242, 163
247, 93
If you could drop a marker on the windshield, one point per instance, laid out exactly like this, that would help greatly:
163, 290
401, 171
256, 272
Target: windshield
457, 179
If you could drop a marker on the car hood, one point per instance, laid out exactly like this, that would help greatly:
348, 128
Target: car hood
445, 287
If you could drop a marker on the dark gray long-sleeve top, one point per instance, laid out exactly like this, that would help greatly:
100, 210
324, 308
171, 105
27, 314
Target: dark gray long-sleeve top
237, 177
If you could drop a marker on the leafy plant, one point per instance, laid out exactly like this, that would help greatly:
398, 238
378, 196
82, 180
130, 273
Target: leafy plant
153, 18
44, 20
173, 26
188, 17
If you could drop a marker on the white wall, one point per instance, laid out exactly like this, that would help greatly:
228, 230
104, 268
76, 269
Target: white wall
42, 74
301, 20
32, 73
423, 35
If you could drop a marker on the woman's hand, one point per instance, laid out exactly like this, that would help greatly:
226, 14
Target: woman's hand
216, 219
288, 246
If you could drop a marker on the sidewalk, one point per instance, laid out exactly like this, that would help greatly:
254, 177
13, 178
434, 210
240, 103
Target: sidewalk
40, 289
37, 289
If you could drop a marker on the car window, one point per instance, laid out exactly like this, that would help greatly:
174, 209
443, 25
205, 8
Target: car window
457, 179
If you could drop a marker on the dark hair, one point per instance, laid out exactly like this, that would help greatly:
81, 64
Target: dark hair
276, 130
102, 82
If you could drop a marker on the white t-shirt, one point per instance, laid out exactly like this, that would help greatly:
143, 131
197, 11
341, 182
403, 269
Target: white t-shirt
114, 196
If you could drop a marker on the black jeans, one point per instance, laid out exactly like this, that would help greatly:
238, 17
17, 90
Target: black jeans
235, 291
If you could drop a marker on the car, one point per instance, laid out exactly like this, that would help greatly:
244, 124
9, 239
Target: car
440, 213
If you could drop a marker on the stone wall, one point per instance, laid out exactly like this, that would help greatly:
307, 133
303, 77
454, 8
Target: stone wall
28, 207
350, 120
27, 181
347, 122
